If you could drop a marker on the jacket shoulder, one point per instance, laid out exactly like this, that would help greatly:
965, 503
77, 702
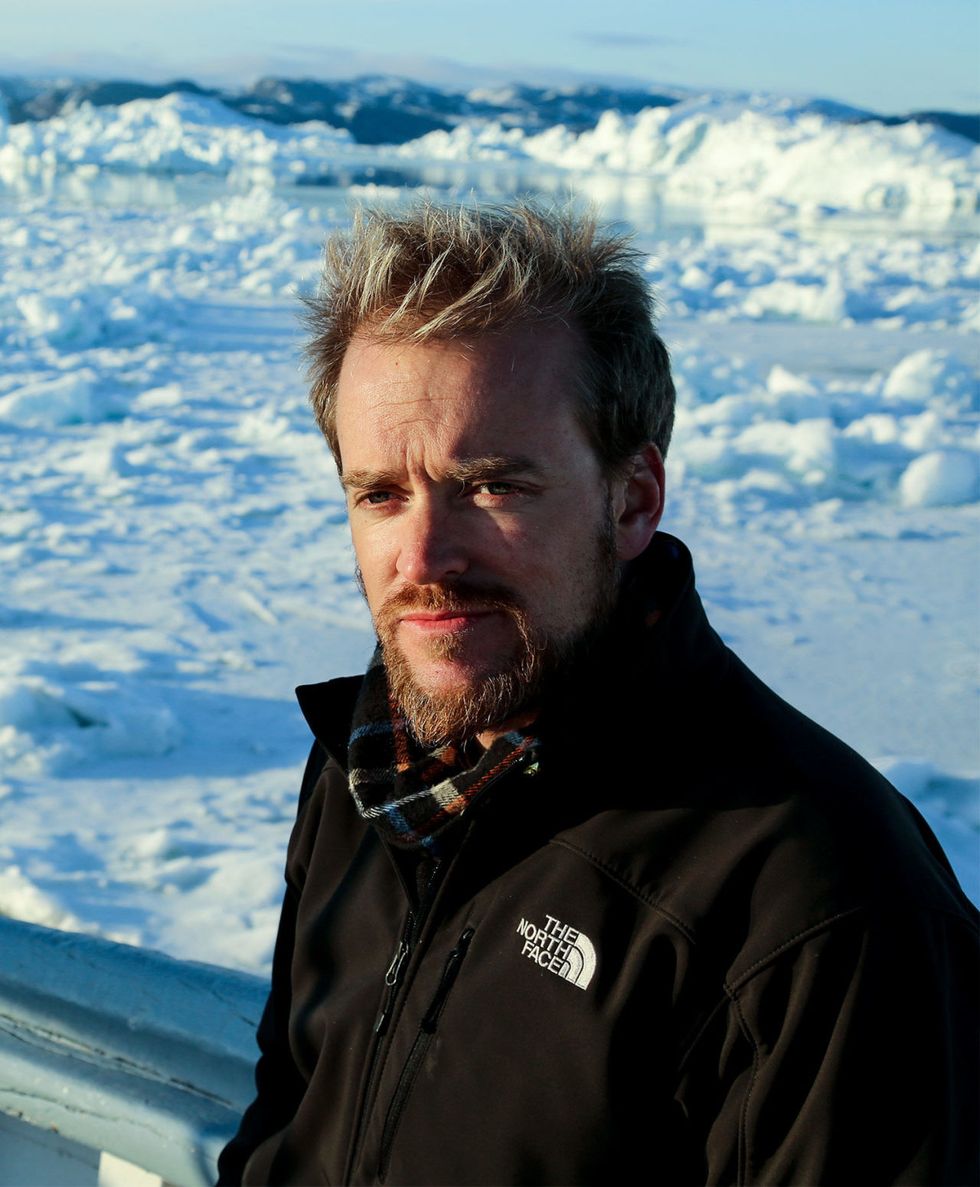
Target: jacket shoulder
750, 827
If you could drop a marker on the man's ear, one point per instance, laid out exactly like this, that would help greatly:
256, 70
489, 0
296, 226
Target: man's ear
639, 502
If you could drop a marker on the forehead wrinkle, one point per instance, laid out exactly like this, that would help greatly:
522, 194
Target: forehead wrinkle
393, 398
401, 409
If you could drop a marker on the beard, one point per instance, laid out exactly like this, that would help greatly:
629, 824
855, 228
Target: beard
520, 679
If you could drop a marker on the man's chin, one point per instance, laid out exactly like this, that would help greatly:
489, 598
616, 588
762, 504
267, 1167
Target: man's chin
448, 678
451, 701
453, 667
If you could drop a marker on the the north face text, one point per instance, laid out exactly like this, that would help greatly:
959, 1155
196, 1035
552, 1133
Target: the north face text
559, 948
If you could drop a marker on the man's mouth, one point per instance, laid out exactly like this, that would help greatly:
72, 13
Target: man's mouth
444, 616
441, 621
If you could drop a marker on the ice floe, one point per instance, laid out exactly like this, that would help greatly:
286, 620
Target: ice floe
173, 539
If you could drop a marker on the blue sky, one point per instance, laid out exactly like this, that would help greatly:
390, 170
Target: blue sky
892, 55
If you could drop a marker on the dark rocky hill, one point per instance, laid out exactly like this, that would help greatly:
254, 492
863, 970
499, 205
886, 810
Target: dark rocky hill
381, 109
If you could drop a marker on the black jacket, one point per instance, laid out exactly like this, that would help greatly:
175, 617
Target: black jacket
694, 939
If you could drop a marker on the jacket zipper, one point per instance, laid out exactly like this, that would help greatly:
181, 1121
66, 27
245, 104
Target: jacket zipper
393, 978
416, 1056
394, 975
411, 932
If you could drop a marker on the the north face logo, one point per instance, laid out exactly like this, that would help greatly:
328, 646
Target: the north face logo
559, 949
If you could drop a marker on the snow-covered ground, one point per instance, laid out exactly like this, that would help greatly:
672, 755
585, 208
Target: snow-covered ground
173, 545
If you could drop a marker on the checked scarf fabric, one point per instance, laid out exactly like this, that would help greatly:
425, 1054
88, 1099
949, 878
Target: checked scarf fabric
410, 795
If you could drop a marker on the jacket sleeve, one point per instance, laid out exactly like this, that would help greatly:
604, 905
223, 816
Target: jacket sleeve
850, 1057
279, 1083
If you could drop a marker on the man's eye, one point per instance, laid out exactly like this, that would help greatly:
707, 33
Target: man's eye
375, 497
496, 488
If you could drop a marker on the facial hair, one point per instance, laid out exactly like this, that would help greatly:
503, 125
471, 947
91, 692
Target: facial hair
536, 659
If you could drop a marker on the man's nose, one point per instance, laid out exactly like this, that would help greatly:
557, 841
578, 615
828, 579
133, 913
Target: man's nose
433, 545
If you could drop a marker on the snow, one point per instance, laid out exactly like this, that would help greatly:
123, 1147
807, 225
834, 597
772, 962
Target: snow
942, 478
754, 154
178, 133
173, 538
721, 152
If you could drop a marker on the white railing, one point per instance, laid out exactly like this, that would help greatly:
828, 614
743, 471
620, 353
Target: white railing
118, 1065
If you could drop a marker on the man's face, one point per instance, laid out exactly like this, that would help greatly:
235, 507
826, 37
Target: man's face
483, 527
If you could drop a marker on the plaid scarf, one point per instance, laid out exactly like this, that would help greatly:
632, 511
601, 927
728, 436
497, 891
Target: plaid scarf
410, 795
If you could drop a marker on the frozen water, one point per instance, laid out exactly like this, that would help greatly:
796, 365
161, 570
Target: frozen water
173, 541
941, 478
747, 155
751, 156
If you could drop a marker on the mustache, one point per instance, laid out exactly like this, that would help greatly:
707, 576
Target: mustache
458, 597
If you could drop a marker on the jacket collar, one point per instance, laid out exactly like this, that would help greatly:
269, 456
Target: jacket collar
328, 709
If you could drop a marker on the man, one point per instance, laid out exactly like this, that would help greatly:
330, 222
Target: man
571, 896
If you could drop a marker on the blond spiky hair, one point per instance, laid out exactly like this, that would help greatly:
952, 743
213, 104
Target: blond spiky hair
438, 273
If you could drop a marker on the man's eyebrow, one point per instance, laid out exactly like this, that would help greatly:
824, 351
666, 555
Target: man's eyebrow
473, 469
367, 479
483, 469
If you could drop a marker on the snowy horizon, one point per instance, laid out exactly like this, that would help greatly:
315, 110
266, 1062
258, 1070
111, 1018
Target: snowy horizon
441, 75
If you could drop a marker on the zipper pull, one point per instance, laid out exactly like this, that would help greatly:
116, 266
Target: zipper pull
393, 977
449, 973
394, 973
